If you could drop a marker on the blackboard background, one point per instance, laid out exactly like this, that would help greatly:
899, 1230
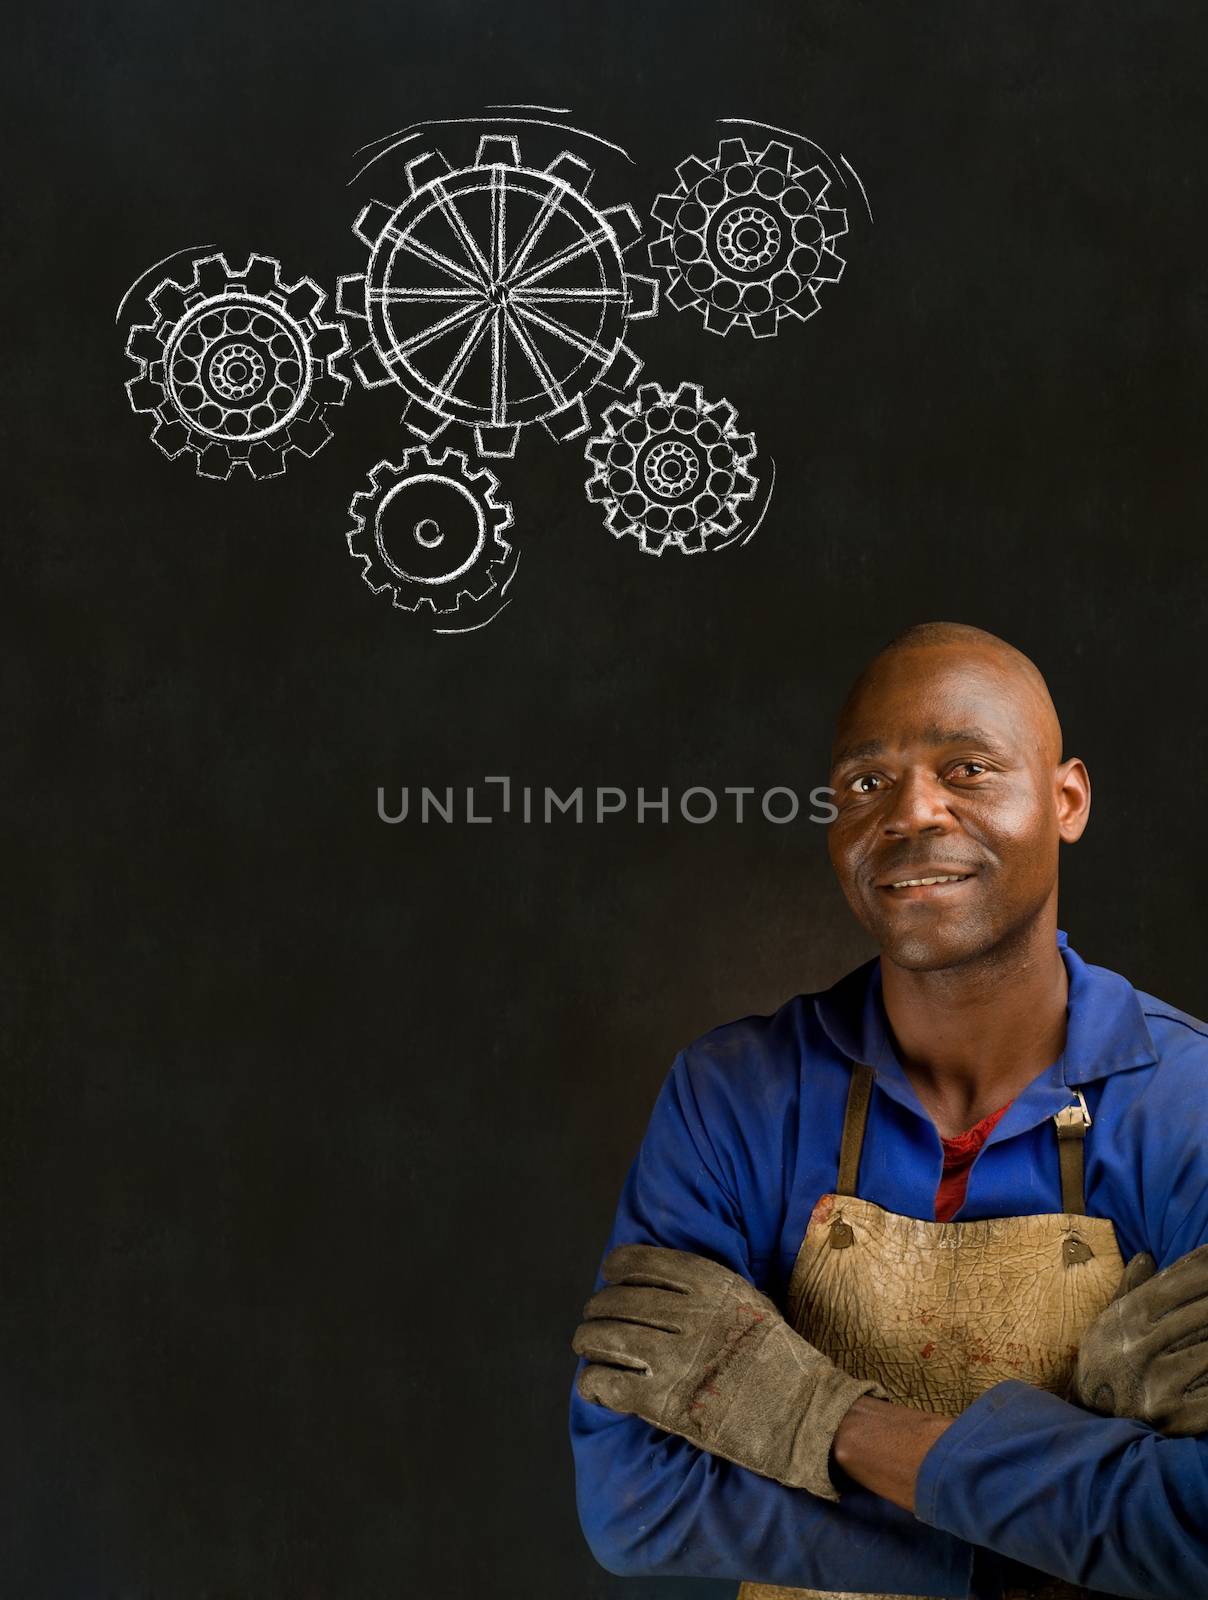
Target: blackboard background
312, 1128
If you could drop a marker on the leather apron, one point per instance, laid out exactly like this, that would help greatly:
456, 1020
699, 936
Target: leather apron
938, 1312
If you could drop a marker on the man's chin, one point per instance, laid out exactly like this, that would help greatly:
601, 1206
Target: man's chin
932, 944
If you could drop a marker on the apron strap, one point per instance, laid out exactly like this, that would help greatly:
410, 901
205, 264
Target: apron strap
859, 1092
1071, 1125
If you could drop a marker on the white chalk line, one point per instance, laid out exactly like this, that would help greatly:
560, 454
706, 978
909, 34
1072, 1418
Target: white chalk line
525, 105
856, 176
406, 135
789, 133
187, 250
755, 526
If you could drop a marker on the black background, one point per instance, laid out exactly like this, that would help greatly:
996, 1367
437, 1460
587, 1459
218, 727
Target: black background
313, 1127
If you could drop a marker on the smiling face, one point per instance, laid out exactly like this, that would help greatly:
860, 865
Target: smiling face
952, 801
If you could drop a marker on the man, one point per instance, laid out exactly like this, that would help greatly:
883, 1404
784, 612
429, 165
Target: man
863, 1325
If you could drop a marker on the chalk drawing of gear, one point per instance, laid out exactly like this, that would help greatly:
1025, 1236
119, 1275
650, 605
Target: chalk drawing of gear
497, 295
672, 470
431, 531
747, 238
237, 368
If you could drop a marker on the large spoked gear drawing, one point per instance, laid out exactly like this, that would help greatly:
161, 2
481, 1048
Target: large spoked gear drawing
672, 469
748, 238
431, 531
497, 295
237, 367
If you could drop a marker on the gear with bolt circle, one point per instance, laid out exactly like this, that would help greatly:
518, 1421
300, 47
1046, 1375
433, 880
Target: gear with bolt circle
237, 367
431, 531
672, 470
497, 295
747, 238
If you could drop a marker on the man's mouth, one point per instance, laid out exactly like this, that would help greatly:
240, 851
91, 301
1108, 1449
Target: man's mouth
923, 884
918, 883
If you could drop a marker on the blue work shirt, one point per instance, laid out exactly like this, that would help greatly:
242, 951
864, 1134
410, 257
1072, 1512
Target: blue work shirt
744, 1138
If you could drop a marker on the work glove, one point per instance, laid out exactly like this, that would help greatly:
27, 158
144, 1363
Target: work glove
694, 1349
1145, 1356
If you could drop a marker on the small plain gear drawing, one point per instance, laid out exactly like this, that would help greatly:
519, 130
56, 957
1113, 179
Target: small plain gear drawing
497, 295
430, 530
747, 238
672, 470
237, 367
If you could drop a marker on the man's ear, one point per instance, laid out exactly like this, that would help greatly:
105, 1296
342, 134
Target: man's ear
1072, 791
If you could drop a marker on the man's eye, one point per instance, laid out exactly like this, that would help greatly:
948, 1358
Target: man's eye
866, 783
969, 769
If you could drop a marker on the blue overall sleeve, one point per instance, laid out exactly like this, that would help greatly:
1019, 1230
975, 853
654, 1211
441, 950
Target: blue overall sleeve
1108, 1503
650, 1503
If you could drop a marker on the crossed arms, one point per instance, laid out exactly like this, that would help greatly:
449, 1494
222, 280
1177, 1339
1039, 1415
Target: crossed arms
1106, 1501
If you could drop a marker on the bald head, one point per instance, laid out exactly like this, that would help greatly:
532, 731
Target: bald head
1021, 681
952, 797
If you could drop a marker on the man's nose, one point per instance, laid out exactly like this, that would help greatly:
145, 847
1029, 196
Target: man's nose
919, 806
